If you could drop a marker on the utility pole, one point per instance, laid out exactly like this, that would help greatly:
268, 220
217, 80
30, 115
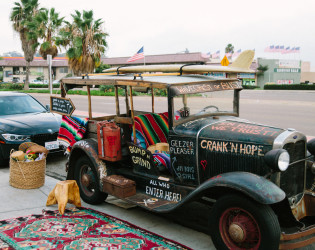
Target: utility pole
49, 61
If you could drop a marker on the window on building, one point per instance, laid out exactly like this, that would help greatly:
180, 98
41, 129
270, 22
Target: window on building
40, 69
63, 70
16, 70
8, 73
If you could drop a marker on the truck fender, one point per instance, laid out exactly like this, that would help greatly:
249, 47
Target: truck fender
88, 147
254, 186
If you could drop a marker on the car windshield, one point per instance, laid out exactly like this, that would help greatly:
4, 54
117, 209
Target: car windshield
189, 105
12, 105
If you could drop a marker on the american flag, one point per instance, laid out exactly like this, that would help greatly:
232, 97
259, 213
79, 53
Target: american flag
281, 48
286, 50
137, 56
237, 53
270, 48
229, 54
277, 48
206, 55
296, 50
216, 55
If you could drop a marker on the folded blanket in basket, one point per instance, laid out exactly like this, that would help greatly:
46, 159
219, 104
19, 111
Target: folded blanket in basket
72, 129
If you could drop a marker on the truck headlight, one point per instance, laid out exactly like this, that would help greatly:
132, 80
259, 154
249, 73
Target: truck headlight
278, 159
15, 138
311, 146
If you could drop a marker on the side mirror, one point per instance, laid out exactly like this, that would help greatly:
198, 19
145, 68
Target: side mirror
48, 107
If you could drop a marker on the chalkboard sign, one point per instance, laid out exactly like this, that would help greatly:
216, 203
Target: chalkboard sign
63, 106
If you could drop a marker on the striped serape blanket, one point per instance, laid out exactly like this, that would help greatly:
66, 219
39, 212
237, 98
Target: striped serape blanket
72, 129
153, 127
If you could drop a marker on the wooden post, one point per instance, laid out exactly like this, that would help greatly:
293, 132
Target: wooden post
117, 101
133, 118
63, 90
152, 99
236, 104
127, 101
90, 103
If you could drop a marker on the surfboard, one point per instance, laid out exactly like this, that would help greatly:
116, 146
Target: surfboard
240, 65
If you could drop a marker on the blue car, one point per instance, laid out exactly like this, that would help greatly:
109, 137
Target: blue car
24, 119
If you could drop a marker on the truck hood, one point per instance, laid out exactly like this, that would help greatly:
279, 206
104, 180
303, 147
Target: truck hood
240, 131
229, 128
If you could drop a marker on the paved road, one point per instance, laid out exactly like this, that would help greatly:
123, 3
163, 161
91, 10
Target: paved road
285, 109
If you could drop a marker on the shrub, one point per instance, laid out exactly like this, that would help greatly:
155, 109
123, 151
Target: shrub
44, 86
250, 87
107, 88
13, 86
290, 87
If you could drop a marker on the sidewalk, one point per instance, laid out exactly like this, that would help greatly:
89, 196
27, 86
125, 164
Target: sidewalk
21, 202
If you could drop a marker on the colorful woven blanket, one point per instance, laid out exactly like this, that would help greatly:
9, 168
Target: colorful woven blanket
153, 127
72, 129
79, 228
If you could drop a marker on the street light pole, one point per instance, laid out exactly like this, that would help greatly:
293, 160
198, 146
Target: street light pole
49, 61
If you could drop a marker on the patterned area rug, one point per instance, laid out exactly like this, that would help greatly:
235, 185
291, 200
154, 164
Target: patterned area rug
80, 228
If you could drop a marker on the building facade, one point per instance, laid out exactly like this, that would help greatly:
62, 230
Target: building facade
13, 69
280, 71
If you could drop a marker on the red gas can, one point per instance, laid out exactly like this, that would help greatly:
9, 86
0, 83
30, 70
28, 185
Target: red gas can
109, 144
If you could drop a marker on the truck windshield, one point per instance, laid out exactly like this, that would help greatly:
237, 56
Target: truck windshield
219, 102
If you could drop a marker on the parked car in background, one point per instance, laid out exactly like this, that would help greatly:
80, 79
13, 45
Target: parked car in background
37, 82
22, 119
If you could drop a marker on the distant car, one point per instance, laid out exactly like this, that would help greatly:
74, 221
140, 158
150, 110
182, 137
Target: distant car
37, 82
56, 81
22, 119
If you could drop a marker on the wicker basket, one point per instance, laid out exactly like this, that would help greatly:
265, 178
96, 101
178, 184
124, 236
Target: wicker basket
27, 175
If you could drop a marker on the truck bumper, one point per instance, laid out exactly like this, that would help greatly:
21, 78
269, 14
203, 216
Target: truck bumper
306, 235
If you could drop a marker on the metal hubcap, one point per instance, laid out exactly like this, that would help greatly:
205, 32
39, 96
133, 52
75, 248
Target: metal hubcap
86, 180
237, 233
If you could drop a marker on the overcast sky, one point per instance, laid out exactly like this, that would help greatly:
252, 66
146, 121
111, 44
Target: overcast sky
171, 26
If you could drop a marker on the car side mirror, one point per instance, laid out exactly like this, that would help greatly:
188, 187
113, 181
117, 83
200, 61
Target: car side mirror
48, 107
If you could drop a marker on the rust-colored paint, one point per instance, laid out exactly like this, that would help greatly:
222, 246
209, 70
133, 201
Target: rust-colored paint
305, 207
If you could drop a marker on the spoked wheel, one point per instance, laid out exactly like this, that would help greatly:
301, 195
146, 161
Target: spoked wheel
239, 223
86, 176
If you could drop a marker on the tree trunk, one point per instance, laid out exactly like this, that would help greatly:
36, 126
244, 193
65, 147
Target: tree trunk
27, 78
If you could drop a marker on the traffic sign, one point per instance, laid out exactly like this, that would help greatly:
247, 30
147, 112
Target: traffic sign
63, 106
225, 61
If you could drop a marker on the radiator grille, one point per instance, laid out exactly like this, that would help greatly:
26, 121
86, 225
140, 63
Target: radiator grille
226, 162
42, 138
292, 180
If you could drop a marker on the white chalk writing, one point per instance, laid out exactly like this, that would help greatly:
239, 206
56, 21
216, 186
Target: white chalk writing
237, 148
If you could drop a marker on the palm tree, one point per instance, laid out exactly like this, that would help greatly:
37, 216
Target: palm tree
21, 14
45, 25
229, 49
84, 40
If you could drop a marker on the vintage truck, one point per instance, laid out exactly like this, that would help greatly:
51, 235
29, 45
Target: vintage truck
192, 145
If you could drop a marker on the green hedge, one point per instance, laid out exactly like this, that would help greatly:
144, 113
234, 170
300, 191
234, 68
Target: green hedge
43, 86
250, 87
290, 86
12, 86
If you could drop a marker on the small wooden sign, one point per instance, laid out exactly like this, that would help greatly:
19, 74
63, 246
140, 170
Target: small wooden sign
63, 106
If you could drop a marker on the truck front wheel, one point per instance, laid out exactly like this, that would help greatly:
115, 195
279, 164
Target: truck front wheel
87, 179
240, 223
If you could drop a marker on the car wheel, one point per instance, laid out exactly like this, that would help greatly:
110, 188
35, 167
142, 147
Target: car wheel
86, 176
239, 223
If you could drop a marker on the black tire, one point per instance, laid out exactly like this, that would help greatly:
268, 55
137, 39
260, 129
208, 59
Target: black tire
89, 191
236, 222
